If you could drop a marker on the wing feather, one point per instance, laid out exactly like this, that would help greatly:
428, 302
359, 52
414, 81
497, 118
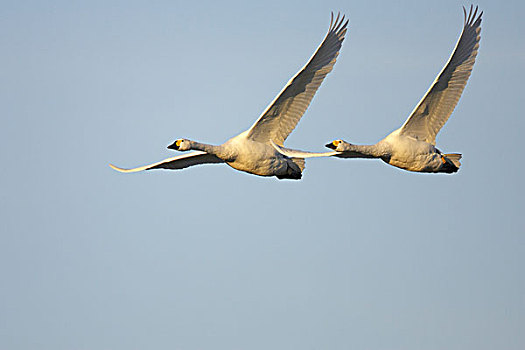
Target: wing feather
295, 153
439, 102
175, 163
282, 115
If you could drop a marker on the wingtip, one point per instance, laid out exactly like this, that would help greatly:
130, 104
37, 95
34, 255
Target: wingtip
122, 170
337, 19
473, 14
472, 18
339, 23
114, 167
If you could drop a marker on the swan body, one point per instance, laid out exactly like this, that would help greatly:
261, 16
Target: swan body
412, 147
244, 154
401, 151
252, 151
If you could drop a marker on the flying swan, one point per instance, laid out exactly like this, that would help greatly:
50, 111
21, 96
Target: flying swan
252, 151
412, 147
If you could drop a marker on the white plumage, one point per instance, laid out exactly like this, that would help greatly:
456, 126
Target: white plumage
251, 151
412, 147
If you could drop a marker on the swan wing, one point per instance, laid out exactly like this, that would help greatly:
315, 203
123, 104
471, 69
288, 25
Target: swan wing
285, 111
437, 105
174, 163
294, 153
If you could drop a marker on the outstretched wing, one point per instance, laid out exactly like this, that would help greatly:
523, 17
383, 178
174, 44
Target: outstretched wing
174, 163
283, 114
295, 153
437, 105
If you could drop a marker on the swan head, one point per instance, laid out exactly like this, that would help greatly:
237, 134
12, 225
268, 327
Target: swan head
180, 145
335, 145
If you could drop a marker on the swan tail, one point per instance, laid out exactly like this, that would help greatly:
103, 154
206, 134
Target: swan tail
454, 158
451, 162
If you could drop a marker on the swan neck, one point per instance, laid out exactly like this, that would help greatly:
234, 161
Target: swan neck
211, 149
369, 151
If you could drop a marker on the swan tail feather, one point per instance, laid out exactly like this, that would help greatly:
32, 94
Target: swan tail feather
454, 158
451, 163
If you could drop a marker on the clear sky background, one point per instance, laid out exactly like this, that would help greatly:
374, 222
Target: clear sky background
357, 255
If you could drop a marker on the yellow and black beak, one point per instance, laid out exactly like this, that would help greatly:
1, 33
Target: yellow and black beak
333, 144
175, 145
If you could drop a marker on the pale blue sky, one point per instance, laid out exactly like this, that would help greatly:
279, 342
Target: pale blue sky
357, 255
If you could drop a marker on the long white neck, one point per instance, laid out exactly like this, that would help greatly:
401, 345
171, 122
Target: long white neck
378, 150
221, 151
211, 149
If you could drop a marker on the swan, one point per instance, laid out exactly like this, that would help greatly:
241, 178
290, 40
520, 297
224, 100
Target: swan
251, 151
413, 146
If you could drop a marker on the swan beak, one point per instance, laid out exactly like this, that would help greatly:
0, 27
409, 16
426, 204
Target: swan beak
175, 145
332, 145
